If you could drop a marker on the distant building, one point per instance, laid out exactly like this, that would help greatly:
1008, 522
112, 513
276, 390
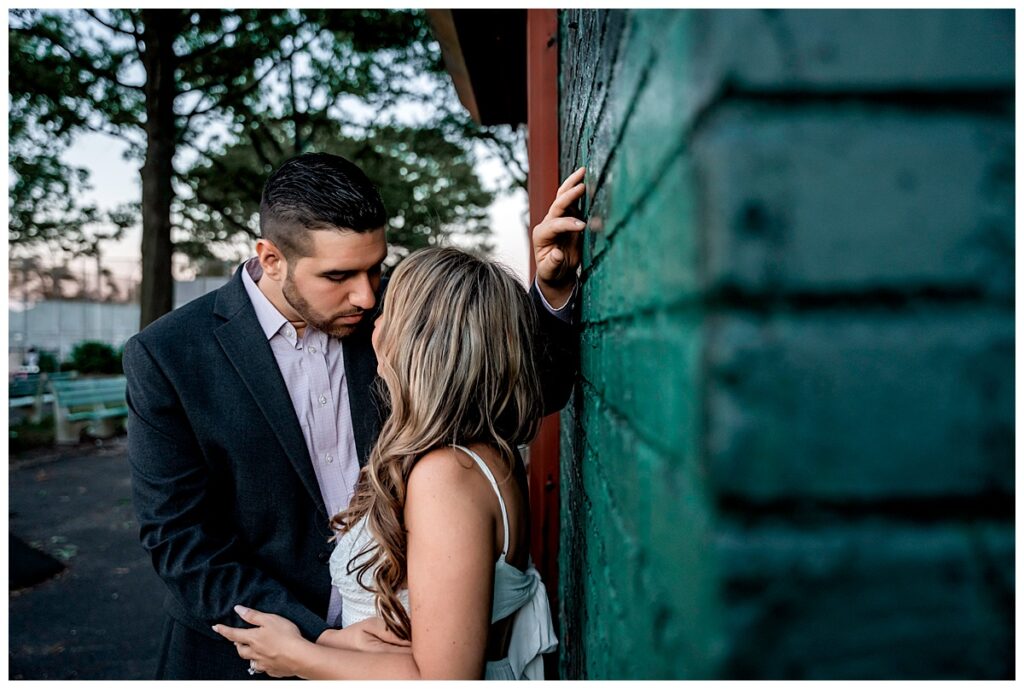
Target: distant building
57, 325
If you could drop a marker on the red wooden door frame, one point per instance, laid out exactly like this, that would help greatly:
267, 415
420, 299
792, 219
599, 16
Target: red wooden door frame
542, 149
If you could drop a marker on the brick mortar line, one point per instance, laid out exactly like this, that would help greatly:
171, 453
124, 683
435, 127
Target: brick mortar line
595, 573
1001, 594
614, 510
867, 303
993, 101
728, 94
614, 59
619, 417
578, 134
641, 83
636, 205
649, 63
687, 133
615, 416
995, 508
574, 142
592, 86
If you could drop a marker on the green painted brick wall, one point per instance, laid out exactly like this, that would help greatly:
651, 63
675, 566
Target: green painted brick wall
790, 452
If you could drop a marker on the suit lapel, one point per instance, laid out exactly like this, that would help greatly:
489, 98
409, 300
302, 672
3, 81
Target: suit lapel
247, 348
360, 372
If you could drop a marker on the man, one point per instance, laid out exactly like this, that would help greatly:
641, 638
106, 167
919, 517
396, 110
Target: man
251, 409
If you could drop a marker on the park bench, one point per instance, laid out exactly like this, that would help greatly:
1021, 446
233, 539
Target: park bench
97, 404
31, 390
22, 390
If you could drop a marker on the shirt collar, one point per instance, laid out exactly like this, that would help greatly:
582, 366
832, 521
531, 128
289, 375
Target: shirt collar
271, 320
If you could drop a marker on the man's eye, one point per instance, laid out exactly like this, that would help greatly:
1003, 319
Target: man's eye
337, 278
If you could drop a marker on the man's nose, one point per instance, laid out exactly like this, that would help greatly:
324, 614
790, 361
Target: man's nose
363, 295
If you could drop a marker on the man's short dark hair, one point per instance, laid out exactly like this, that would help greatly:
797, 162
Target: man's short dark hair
317, 191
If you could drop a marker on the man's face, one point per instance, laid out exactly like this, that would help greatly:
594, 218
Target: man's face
335, 287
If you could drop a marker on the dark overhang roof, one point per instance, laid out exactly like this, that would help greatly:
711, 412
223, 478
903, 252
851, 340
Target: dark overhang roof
485, 54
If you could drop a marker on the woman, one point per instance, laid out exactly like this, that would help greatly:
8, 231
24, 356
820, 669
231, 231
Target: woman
432, 554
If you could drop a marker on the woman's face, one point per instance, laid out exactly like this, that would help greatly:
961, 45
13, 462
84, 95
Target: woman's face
375, 337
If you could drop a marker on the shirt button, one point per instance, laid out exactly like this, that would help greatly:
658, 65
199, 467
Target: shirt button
330, 458
323, 400
312, 350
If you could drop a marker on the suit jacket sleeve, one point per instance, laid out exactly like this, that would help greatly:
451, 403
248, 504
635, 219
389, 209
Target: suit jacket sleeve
557, 354
195, 553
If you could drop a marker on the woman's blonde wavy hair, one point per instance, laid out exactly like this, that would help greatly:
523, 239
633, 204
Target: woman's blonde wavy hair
456, 360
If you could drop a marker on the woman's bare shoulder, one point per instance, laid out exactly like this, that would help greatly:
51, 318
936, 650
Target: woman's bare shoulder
448, 472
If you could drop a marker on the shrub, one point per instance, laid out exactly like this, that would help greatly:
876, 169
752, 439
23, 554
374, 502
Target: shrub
93, 357
48, 362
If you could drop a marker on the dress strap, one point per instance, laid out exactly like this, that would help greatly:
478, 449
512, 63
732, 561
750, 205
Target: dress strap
494, 484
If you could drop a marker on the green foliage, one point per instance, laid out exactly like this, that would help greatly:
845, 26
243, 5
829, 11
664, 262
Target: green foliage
94, 357
428, 185
251, 89
48, 362
60, 85
354, 62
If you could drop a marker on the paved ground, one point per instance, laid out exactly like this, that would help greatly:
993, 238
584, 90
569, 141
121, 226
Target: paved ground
100, 618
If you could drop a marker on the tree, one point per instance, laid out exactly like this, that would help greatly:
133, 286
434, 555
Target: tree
344, 93
80, 70
428, 184
241, 91
92, 356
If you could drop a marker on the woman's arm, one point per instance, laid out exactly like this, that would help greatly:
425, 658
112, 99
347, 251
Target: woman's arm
450, 517
451, 513
275, 646
370, 634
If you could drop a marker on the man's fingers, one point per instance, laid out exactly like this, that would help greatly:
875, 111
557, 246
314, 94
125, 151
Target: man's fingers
551, 269
549, 229
572, 180
564, 200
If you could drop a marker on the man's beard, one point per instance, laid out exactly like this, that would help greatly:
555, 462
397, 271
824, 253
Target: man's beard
311, 317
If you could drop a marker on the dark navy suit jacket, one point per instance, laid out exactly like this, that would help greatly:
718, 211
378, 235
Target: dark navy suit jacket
223, 487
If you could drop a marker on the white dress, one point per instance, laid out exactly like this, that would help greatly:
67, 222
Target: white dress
517, 593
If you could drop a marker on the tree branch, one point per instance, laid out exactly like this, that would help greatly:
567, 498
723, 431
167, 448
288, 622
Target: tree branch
209, 49
84, 63
249, 88
112, 27
138, 34
227, 217
519, 174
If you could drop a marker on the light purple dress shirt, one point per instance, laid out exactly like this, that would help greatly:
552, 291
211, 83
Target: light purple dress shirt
313, 369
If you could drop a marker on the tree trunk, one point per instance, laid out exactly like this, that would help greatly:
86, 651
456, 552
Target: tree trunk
157, 289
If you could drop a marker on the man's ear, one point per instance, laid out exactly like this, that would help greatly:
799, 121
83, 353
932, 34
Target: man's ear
271, 259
